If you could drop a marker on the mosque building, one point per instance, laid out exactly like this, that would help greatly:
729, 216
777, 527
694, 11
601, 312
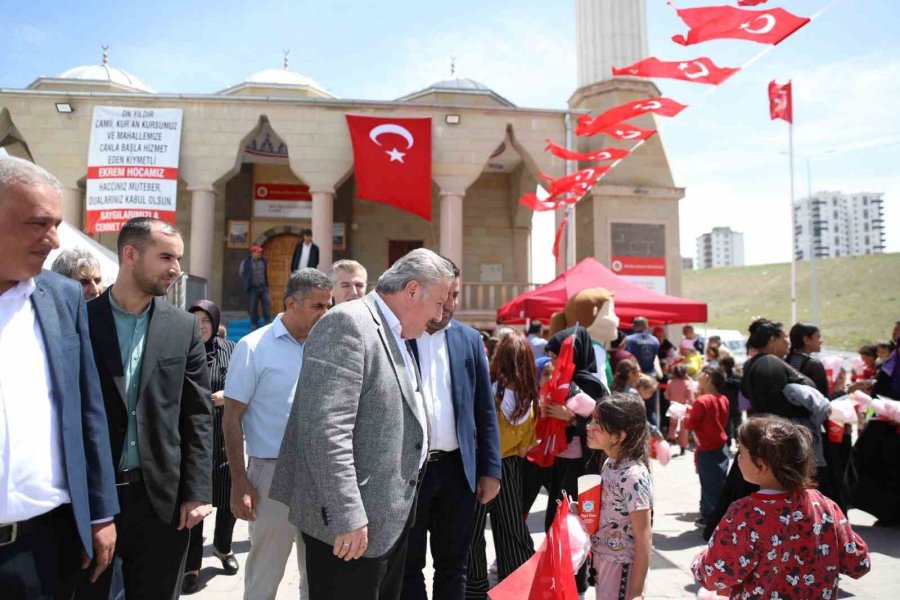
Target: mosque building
280, 130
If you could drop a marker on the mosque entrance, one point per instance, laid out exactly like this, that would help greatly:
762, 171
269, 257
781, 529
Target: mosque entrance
278, 252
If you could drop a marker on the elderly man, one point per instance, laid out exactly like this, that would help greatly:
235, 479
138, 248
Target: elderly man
259, 392
82, 266
58, 495
155, 382
349, 279
357, 438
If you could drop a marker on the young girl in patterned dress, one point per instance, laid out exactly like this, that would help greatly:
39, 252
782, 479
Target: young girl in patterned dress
786, 541
621, 546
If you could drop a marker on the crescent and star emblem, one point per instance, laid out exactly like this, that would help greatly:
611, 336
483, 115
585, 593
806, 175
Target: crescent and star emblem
403, 132
767, 25
627, 136
603, 156
702, 71
652, 105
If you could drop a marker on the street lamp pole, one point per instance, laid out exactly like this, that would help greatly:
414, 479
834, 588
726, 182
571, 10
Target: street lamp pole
812, 247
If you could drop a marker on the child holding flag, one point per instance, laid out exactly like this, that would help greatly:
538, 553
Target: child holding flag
621, 547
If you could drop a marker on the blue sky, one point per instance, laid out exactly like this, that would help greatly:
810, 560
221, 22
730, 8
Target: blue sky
724, 149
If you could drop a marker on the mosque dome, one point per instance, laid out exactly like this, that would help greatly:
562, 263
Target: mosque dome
285, 81
106, 73
91, 76
458, 90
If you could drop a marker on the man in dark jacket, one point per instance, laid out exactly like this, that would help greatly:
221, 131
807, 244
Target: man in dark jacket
306, 253
255, 273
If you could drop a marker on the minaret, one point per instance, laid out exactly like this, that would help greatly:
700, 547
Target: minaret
610, 33
634, 210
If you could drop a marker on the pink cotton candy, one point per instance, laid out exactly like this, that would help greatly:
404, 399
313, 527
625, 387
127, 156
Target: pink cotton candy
676, 411
843, 411
833, 366
861, 399
581, 404
663, 452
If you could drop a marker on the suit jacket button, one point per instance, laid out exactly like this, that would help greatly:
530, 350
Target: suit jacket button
418, 446
412, 483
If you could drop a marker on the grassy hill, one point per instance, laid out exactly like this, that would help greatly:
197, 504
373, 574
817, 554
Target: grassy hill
859, 297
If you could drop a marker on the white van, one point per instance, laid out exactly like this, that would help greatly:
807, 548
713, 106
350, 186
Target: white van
732, 339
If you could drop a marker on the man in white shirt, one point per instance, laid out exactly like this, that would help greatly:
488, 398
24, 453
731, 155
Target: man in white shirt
349, 279
57, 484
306, 253
464, 455
259, 392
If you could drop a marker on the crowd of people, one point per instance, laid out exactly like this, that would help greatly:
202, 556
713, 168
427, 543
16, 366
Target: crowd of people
364, 429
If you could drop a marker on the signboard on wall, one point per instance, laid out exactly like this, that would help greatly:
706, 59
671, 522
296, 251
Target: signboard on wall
132, 166
282, 201
648, 271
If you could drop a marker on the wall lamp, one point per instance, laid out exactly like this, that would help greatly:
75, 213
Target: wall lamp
453, 119
64, 108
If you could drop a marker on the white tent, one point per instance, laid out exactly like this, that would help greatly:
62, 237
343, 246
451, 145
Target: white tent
70, 237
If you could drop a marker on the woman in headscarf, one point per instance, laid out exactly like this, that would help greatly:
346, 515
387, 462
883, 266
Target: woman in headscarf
577, 458
218, 355
876, 454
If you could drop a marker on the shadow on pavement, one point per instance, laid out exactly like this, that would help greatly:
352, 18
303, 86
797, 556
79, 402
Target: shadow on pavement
682, 541
884, 540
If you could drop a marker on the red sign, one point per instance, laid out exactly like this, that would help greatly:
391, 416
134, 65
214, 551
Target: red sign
281, 192
653, 266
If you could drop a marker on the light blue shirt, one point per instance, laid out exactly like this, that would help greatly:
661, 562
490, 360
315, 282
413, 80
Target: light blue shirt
263, 374
131, 330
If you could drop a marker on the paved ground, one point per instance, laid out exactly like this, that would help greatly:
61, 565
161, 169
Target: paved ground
675, 538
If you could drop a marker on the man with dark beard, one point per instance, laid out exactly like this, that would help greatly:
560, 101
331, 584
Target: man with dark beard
152, 366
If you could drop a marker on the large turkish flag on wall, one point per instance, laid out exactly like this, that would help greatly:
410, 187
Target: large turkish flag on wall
392, 161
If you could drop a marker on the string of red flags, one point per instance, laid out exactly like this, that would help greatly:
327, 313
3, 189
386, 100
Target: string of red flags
698, 70
781, 104
769, 26
597, 155
665, 107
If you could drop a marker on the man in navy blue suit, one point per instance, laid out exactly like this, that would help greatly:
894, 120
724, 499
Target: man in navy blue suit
464, 454
57, 484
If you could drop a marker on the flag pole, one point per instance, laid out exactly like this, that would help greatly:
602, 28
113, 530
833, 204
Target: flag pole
793, 219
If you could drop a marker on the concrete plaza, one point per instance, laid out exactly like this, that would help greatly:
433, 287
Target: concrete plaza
675, 539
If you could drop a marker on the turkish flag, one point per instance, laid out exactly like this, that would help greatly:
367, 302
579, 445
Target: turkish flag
551, 432
751, 2
392, 161
533, 202
603, 154
706, 23
665, 107
781, 104
574, 184
698, 70
549, 573
558, 237
624, 131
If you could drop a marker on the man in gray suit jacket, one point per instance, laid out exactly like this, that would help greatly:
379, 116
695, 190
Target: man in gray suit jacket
356, 441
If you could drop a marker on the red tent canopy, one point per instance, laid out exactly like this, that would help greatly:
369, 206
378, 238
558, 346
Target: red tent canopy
632, 300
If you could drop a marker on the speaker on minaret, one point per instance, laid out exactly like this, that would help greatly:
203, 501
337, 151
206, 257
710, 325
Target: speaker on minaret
633, 211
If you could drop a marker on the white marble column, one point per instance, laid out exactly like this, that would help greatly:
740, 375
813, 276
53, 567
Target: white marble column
203, 211
610, 33
452, 227
73, 206
322, 226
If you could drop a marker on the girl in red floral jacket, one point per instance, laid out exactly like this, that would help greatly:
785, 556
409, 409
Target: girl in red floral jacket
786, 541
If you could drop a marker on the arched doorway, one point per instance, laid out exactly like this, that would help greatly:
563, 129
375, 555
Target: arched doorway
278, 252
